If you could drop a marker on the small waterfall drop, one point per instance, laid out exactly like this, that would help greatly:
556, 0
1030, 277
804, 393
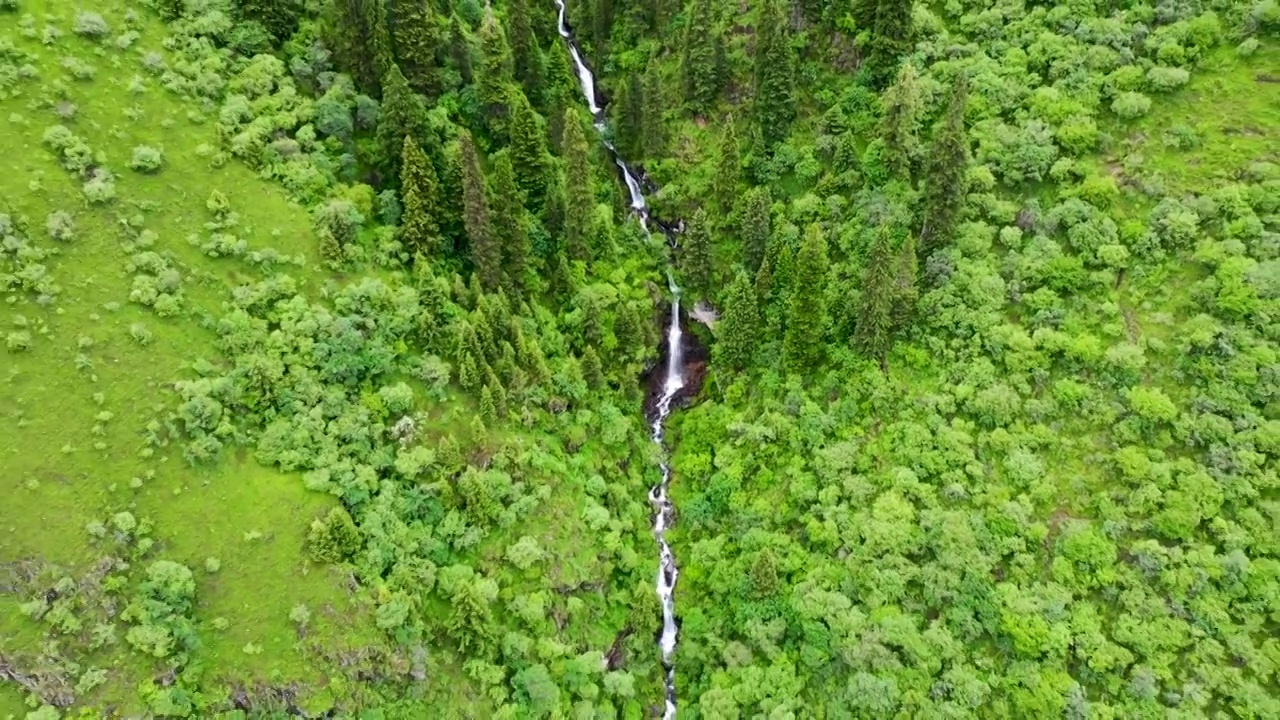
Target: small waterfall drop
673, 383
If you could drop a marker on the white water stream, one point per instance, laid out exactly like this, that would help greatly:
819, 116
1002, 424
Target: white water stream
672, 385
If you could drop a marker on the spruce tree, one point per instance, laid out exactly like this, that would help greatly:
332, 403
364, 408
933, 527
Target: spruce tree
601, 28
357, 33
401, 115
592, 369
700, 60
891, 38
900, 121
754, 226
578, 187
652, 139
526, 56
460, 49
562, 90
628, 117
695, 255
528, 150
419, 197
495, 73
874, 330
764, 574
946, 170
508, 222
728, 171
739, 330
806, 314
774, 74
278, 17
417, 37
485, 252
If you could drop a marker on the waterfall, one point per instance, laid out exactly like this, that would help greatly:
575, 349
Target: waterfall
673, 383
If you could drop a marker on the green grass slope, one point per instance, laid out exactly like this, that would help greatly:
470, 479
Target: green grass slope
86, 369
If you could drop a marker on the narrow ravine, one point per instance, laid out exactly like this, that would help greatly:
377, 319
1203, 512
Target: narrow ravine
673, 384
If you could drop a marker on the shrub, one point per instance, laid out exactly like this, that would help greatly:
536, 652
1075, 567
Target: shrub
146, 159
100, 188
1248, 47
61, 226
8, 5
1164, 79
1131, 105
91, 25
335, 538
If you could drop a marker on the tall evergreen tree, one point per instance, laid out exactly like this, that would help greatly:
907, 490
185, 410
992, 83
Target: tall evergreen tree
652, 140
806, 304
420, 199
700, 60
774, 73
579, 189
508, 222
601, 29
892, 36
417, 37
628, 117
874, 330
278, 17
695, 255
485, 252
526, 56
460, 49
561, 92
401, 115
946, 170
495, 73
739, 330
754, 227
900, 122
357, 33
728, 170
528, 150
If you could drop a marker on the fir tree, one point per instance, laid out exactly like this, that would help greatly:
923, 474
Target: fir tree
695, 255
945, 173
774, 74
528, 150
508, 222
806, 305
899, 122
495, 73
873, 333
891, 37
764, 574
401, 115
753, 226
420, 199
330, 249
592, 369
357, 34
739, 330
601, 28
278, 17
562, 90
652, 139
579, 191
628, 117
728, 171
460, 49
485, 252
628, 330
526, 56
488, 410
700, 61
416, 35
848, 161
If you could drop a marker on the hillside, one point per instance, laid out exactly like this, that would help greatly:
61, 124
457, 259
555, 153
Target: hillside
334, 349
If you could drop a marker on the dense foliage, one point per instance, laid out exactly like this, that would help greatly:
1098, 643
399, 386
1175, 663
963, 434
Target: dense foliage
991, 420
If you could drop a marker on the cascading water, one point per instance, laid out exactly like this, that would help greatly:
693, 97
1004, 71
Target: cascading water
674, 382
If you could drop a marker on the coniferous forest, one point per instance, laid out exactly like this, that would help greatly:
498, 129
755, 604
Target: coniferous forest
814, 359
